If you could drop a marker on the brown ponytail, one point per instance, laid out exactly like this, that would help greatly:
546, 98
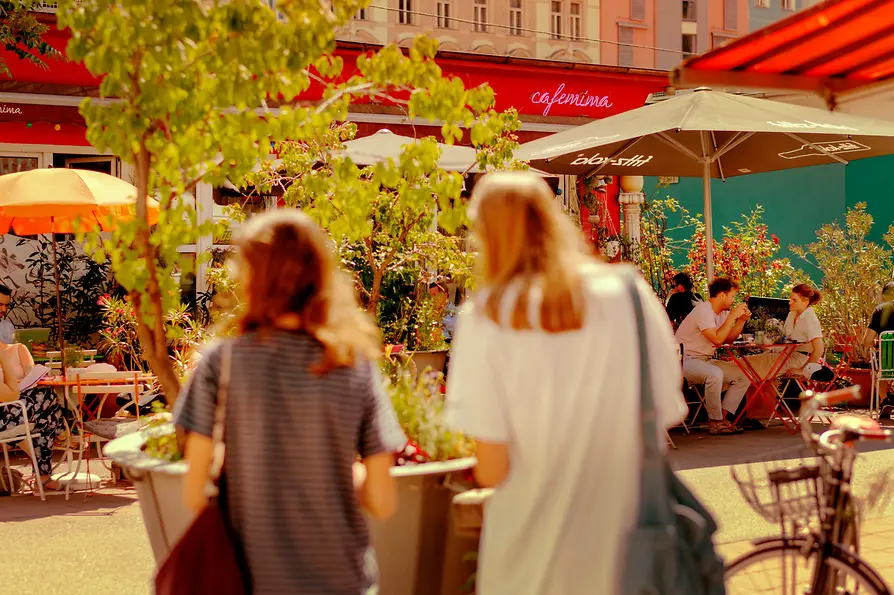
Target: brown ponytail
813, 296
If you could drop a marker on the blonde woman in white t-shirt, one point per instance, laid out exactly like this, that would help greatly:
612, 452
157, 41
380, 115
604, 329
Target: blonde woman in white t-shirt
802, 326
544, 375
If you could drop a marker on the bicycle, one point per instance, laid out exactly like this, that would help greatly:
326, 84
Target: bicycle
814, 506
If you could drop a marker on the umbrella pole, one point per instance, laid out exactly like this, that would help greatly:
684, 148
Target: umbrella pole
58, 301
709, 221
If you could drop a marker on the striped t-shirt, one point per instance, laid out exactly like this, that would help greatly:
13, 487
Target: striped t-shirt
292, 437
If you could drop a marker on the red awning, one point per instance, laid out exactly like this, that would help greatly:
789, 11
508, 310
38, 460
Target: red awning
831, 48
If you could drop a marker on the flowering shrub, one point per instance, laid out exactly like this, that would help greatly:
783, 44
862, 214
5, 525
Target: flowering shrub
746, 253
122, 346
419, 404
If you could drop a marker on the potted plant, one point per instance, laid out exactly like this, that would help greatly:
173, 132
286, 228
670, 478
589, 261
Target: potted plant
854, 269
73, 356
417, 550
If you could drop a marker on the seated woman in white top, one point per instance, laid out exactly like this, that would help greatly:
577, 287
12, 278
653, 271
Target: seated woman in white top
802, 326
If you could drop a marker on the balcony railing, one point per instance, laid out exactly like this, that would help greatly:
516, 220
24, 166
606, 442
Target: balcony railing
48, 7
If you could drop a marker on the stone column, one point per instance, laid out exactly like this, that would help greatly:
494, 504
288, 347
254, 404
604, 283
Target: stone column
205, 211
631, 199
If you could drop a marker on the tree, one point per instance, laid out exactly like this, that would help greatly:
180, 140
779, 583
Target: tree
391, 216
22, 34
194, 80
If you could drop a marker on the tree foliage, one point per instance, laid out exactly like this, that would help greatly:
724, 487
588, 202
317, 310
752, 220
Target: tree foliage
22, 34
194, 81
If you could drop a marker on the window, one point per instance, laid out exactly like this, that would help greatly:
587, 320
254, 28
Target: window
689, 45
575, 22
405, 12
444, 10
625, 46
762, 3
731, 15
689, 13
515, 17
788, 5
555, 20
480, 16
638, 10
360, 14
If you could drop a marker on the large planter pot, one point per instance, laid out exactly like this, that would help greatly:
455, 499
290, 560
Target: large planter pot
436, 360
159, 487
417, 552
863, 377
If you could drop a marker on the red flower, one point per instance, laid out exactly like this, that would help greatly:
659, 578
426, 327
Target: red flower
775, 239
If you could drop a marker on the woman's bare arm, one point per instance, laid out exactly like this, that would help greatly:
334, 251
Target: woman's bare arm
9, 387
375, 486
199, 452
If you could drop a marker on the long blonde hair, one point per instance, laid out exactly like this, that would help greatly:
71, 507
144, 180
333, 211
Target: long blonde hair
525, 238
286, 265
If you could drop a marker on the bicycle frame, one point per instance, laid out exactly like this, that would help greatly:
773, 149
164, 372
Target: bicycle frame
837, 456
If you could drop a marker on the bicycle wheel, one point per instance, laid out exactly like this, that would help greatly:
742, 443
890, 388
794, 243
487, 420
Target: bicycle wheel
788, 566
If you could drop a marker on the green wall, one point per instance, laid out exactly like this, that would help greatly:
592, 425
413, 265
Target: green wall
796, 202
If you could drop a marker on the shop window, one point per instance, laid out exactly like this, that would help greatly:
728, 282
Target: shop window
555, 21
731, 15
689, 45
105, 165
405, 12
12, 164
625, 46
576, 28
515, 17
444, 11
480, 15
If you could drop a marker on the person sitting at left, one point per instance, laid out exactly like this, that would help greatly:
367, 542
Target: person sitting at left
44, 410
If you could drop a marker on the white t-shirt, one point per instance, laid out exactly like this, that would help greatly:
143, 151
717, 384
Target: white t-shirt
806, 329
568, 406
691, 335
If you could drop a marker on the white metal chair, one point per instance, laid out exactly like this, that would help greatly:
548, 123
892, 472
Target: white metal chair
882, 370
54, 358
97, 429
21, 433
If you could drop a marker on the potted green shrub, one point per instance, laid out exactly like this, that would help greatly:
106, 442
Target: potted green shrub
854, 269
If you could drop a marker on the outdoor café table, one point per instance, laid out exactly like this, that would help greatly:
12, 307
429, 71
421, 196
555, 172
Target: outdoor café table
766, 385
65, 385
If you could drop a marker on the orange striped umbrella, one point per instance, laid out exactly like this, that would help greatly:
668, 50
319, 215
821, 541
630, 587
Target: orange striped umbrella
64, 201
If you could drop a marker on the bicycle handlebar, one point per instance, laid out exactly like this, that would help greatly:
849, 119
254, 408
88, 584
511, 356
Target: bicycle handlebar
828, 440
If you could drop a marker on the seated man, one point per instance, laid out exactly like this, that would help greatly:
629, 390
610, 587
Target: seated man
708, 326
882, 317
682, 299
